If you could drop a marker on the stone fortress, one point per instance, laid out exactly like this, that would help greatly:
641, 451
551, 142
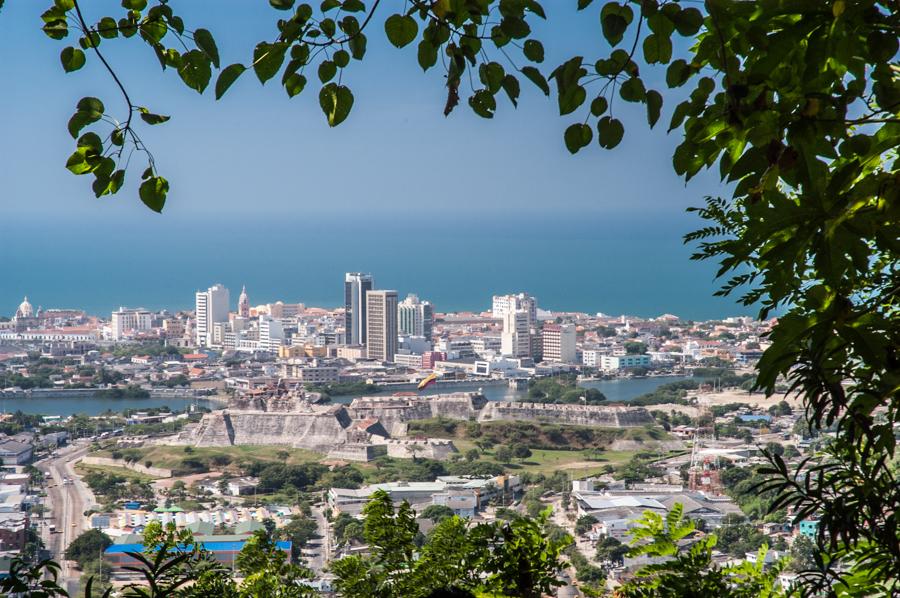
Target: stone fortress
373, 426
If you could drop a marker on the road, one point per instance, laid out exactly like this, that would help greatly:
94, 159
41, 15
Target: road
318, 552
66, 504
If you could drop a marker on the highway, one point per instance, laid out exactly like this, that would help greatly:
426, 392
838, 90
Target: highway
65, 507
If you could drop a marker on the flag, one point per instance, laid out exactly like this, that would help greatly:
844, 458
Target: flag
427, 381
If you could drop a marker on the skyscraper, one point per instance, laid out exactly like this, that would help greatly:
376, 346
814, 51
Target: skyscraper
515, 341
381, 325
520, 337
356, 285
415, 318
211, 307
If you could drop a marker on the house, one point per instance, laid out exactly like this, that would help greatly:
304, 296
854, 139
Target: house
13, 452
464, 503
241, 486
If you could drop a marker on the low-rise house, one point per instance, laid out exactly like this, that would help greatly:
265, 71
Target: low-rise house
13, 452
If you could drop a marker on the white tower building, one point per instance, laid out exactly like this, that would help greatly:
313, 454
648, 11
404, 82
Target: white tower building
211, 307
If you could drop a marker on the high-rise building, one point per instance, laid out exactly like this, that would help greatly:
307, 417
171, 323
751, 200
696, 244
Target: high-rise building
503, 304
244, 303
356, 285
515, 341
211, 307
125, 321
271, 333
381, 325
415, 317
559, 343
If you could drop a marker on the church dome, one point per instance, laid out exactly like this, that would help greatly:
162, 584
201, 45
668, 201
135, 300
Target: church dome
25, 310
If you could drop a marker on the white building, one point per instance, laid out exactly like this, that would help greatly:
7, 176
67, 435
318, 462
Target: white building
211, 307
613, 363
515, 341
559, 343
504, 304
126, 321
271, 333
356, 285
591, 357
415, 317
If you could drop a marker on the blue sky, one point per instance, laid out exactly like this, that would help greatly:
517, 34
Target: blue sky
259, 151
258, 158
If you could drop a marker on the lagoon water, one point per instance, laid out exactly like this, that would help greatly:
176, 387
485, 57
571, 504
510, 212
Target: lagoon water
96, 405
615, 390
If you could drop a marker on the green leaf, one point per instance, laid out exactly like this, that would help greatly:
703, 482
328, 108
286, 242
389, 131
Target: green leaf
609, 132
533, 50
357, 45
483, 103
227, 78
427, 54
207, 44
72, 59
60, 4
688, 21
117, 137
57, 29
515, 27
87, 111
491, 74
108, 28
614, 21
282, 4
599, 106
195, 70
267, 60
582, 4
92, 142
537, 78
353, 6
577, 136
511, 87
294, 84
654, 102
134, 4
401, 29
150, 118
657, 48
153, 193
341, 58
336, 102
633, 90
77, 162
677, 73
327, 71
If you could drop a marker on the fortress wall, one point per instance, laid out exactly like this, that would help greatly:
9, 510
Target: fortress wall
317, 431
440, 450
582, 415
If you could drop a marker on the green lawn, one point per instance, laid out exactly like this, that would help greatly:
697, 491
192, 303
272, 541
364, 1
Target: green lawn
171, 457
83, 469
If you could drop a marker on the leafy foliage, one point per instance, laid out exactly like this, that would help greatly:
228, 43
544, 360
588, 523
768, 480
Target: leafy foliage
686, 568
508, 558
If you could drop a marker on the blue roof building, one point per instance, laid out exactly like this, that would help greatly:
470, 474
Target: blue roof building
225, 552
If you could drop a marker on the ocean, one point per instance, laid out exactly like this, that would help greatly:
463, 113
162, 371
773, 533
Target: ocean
615, 264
